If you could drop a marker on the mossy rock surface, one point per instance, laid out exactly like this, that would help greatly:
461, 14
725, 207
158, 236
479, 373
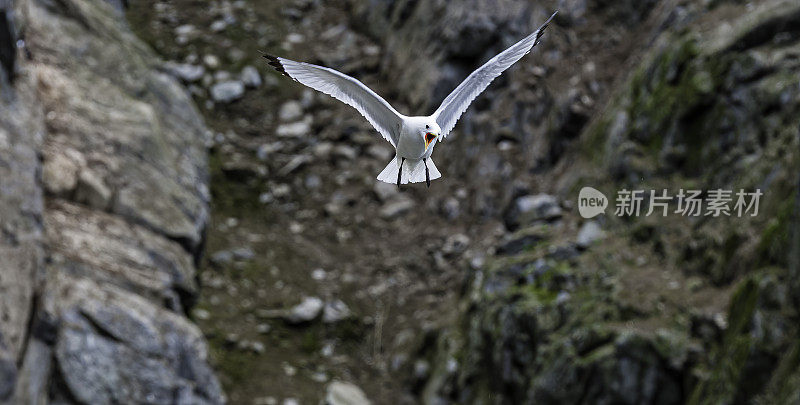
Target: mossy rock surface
663, 310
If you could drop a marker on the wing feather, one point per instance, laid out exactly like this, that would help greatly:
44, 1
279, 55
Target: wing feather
346, 89
457, 102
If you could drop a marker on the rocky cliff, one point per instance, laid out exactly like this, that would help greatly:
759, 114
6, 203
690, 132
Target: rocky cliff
104, 206
647, 309
486, 288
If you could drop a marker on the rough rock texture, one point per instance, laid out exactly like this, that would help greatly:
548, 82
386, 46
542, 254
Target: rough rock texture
642, 316
21, 135
103, 208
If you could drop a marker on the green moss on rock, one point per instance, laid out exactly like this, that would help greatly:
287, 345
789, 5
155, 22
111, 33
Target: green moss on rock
728, 360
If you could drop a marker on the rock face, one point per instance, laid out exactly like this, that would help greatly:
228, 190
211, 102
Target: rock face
637, 314
21, 206
119, 214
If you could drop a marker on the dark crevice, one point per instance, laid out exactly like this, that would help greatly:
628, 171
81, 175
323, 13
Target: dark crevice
794, 253
69, 10
100, 329
8, 51
28, 329
403, 10
768, 30
58, 391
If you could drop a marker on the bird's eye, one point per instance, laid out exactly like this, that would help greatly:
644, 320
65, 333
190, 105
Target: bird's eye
427, 127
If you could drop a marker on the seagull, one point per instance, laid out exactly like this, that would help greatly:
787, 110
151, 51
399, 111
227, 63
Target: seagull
412, 137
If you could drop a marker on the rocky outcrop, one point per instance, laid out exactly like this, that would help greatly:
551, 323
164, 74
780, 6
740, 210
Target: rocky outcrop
104, 208
21, 207
642, 316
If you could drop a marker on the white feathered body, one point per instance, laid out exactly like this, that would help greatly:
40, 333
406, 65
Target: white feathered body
411, 146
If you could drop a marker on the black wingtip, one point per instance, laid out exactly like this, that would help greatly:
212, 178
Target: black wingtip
541, 29
275, 63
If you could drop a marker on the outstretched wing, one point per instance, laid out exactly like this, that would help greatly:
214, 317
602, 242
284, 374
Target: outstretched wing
345, 89
457, 102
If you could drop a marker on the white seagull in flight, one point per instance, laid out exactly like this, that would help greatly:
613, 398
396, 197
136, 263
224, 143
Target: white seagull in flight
412, 137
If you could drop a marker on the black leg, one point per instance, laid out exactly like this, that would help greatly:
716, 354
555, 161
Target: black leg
427, 175
400, 172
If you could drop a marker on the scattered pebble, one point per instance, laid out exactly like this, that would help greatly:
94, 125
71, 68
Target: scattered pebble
265, 198
327, 350
222, 76
265, 401
264, 151
228, 91
295, 164
543, 206
318, 274
281, 190
562, 297
344, 393
243, 253
222, 257
396, 207
345, 151
289, 369
201, 314
421, 369
294, 130
218, 25
295, 38
185, 30
589, 233
211, 61
184, 71
307, 310
335, 311
313, 181
319, 377
231, 339
250, 77
451, 208
290, 111
296, 227
257, 347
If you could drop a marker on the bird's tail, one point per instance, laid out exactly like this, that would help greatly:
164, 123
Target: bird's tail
413, 171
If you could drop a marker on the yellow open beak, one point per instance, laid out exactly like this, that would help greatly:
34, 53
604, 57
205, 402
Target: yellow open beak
429, 137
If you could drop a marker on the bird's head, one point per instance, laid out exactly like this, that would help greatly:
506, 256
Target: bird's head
430, 132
